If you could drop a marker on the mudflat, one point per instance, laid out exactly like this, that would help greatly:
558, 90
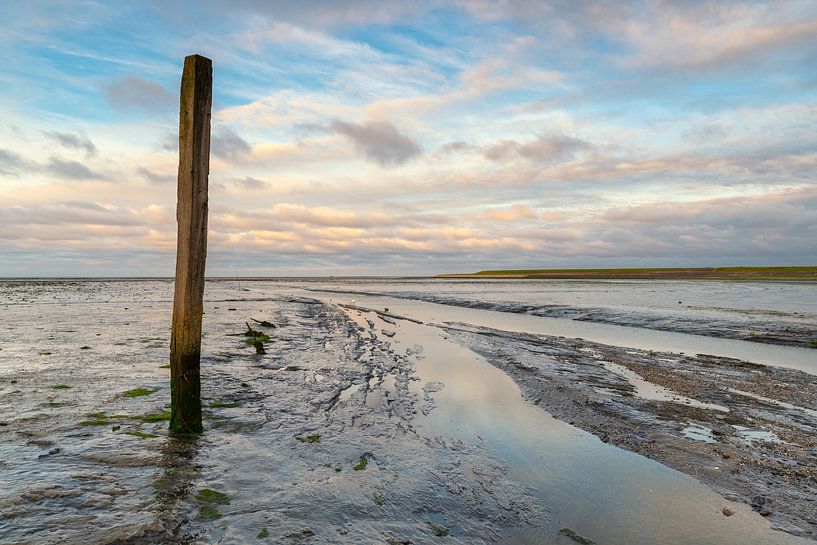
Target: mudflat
378, 415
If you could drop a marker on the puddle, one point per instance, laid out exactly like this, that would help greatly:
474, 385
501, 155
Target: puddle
698, 433
347, 393
654, 392
380, 390
776, 402
756, 435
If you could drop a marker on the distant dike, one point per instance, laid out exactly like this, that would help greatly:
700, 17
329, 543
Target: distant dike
800, 273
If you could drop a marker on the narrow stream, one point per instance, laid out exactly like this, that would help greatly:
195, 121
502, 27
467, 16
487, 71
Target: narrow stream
791, 357
603, 493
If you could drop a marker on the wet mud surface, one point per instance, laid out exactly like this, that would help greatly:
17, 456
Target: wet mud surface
312, 442
749, 318
748, 431
362, 424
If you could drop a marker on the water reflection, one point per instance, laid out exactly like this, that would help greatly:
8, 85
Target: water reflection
605, 493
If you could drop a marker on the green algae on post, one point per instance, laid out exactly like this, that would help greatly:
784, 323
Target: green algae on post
138, 392
208, 495
311, 438
60, 387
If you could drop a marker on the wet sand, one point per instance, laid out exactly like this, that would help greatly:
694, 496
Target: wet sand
689, 312
459, 432
746, 430
285, 432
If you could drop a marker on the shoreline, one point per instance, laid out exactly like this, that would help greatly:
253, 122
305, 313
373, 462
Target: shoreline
786, 274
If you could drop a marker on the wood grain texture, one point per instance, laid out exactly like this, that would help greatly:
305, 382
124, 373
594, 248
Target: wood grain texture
191, 253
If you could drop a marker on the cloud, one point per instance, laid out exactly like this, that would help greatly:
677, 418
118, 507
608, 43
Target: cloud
706, 36
135, 93
71, 170
319, 13
73, 141
520, 133
379, 141
156, 178
11, 162
504, 73
663, 35
545, 148
456, 147
77, 214
250, 183
517, 212
169, 142
226, 144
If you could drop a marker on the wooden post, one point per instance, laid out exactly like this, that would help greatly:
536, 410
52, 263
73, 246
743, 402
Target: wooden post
191, 244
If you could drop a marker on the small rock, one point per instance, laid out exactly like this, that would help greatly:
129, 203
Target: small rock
50, 453
727, 512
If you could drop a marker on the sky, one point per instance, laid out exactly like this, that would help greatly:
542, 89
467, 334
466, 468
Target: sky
403, 138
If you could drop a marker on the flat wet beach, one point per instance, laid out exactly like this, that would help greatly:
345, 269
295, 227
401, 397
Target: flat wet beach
374, 418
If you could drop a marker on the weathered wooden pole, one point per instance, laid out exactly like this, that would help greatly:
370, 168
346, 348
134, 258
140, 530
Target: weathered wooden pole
191, 244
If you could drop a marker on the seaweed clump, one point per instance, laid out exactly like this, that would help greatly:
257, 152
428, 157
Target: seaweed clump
256, 339
581, 540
